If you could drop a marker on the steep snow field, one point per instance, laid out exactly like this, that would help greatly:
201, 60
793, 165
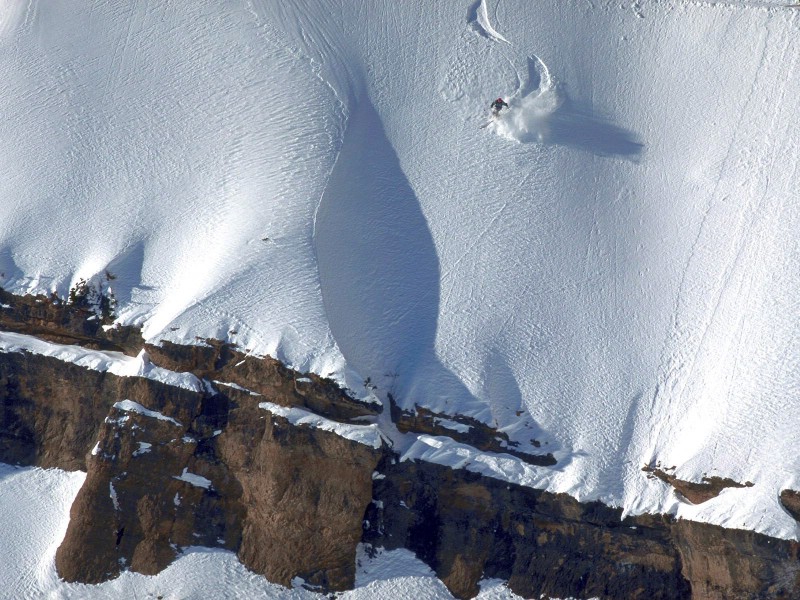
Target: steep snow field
43, 498
610, 267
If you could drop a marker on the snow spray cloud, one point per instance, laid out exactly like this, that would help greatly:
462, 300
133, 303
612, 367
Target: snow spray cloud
548, 117
527, 119
541, 113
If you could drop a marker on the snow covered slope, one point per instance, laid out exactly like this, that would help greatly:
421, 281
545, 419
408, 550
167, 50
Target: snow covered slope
614, 258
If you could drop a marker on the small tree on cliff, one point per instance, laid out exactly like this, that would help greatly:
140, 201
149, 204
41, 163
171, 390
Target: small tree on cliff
96, 298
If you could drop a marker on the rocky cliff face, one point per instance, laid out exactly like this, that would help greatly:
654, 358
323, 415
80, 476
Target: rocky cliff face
288, 499
468, 527
51, 411
219, 465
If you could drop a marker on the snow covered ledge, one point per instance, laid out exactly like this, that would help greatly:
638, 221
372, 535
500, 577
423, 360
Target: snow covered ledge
116, 363
368, 435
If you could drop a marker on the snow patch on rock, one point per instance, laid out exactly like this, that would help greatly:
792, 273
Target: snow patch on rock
193, 479
135, 407
368, 435
144, 448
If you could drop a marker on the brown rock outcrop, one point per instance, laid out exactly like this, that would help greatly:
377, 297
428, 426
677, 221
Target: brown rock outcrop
304, 492
215, 360
151, 488
51, 318
733, 564
467, 527
290, 500
51, 411
790, 500
696, 492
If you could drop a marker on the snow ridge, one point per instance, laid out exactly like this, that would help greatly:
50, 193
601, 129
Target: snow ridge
478, 20
368, 435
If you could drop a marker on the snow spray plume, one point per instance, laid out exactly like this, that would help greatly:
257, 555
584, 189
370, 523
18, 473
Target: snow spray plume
527, 118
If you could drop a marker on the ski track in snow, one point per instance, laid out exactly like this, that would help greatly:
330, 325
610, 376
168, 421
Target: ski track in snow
615, 261
734, 233
478, 20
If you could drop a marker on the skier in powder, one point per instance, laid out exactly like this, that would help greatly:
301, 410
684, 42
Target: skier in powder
498, 105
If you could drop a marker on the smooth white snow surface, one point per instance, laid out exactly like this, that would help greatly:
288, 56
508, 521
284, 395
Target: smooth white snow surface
612, 263
34, 512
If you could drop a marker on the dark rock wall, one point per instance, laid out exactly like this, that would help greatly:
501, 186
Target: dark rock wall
51, 411
734, 564
266, 376
303, 492
134, 511
51, 318
289, 500
467, 527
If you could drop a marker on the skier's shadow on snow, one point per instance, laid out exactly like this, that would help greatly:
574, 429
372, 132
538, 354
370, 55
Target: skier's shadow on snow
576, 126
544, 114
379, 270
